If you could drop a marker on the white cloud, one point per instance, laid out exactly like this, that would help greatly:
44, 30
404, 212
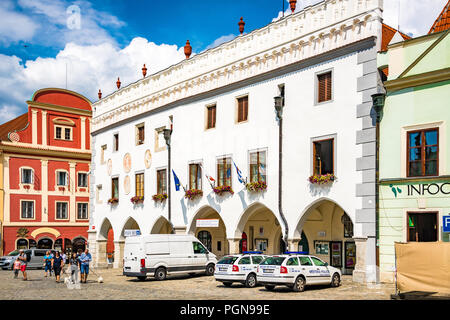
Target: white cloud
90, 67
14, 26
220, 41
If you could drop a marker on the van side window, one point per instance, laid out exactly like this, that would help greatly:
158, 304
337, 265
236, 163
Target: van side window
198, 248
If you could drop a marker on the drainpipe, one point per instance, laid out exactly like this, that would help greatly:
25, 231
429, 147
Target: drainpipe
279, 103
378, 100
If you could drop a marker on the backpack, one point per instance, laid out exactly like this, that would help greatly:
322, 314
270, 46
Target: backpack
28, 257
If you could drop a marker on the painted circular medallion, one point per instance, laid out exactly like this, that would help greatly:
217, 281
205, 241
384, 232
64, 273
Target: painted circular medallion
127, 163
148, 159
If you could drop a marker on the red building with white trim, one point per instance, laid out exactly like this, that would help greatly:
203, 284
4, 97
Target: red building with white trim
45, 160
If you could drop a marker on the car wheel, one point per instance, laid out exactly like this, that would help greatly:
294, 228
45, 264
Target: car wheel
250, 282
299, 285
142, 278
160, 273
269, 287
210, 269
227, 284
336, 280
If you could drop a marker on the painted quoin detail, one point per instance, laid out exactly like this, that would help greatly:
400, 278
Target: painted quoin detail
336, 36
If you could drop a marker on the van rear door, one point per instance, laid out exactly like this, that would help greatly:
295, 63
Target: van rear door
133, 253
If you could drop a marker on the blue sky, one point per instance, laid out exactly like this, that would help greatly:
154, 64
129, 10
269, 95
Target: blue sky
115, 37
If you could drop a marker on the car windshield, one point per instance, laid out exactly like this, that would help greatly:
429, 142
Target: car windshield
14, 253
273, 261
227, 260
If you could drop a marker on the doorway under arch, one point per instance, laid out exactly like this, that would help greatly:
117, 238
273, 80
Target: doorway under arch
106, 243
162, 226
45, 243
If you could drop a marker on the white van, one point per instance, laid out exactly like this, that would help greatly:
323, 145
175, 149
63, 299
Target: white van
161, 254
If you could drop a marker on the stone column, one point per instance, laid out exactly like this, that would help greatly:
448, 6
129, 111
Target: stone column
102, 262
34, 126
119, 247
365, 269
44, 127
233, 246
293, 244
92, 246
179, 229
83, 133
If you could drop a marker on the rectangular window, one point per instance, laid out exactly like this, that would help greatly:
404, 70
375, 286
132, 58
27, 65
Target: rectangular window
61, 210
224, 172
258, 166
102, 156
62, 178
58, 133
115, 188
140, 134
324, 87
195, 176
242, 109
422, 227
116, 142
27, 210
423, 153
323, 157
67, 134
82, 213
82, 180
211, 117
27, 176
139, 184
161, 181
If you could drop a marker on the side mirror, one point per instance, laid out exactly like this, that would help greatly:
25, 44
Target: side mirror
326, 264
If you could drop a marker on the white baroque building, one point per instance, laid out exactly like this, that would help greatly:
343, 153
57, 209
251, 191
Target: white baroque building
221, 105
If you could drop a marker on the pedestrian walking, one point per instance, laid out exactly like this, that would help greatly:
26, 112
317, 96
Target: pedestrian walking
57, 265
74, 266
85, 258
48, 263
23, 263
16, 268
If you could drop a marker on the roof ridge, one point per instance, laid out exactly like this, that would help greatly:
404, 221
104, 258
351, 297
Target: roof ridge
439, 19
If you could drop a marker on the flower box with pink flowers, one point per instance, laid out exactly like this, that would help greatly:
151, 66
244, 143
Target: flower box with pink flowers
193, 193
137, 199
159, 197
220, 190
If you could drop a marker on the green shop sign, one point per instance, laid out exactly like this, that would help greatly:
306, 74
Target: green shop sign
431, 189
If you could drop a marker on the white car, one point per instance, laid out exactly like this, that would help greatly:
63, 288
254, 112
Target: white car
239, 268
296, 271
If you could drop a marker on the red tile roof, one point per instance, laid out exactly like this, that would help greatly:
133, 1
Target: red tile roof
443, 21
18, 123
387, 34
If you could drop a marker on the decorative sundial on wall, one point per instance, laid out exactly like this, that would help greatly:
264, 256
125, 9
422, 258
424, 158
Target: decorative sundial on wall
127, 163
126, 185
14, 137
148, 159
109, 167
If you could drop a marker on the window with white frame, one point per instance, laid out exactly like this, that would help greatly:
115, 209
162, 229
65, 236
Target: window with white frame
82, 180
82, 212
62, 210
63, 133
258, 166
27, 208
62, 178
26, 175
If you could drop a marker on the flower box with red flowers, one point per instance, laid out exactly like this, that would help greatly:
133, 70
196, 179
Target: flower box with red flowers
159, 197
221, 189
137, 199
82, 190
27, 186
61, 188
256, 186
322, 178
193, 193
113, 201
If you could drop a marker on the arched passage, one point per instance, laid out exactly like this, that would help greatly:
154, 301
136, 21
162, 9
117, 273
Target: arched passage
209, 228
327, 231
119, 245
262, 229
130, 224
162, 226
106, 243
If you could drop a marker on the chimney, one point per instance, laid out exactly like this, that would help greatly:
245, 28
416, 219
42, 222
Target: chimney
118, 83
144, 71
241, 25
99, 94
187, 49
293, 4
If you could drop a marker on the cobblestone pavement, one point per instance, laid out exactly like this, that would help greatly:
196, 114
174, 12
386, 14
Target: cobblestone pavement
116, 286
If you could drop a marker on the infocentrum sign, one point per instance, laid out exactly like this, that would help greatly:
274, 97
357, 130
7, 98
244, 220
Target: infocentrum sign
425, 189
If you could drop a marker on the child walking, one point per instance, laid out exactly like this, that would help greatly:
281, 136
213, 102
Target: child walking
16, 268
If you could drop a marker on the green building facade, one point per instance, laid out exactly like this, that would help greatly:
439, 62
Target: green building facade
414, 154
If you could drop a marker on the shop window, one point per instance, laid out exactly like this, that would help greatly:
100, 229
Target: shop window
423, 153
115, 188
140, 134
62, 210
211, 117
242, 109
116, 142
324, 87
62, 178
161, 181
323, 157
195, 176
205, 238
27, 176
82, 180
348, 226
224, 172
27, 209
82, 212
422, 227
258, 166
139, 181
